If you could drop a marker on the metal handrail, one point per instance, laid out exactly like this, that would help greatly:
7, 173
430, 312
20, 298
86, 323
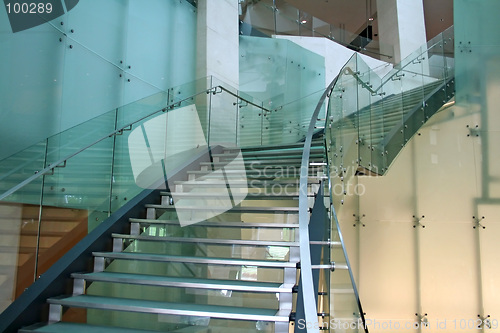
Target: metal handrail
127, 127
310, 307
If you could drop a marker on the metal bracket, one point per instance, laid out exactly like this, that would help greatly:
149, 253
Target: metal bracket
417, 221
215, 90
397, 76
477, 222
473, 131
485, 322
418, 60
423, 319
357, 220
52, 170
240, 103
464, 47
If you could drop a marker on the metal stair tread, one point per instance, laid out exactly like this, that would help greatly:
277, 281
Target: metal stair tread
238, 224
249, 158
283, 181
195, 260
65, 327
224, 195
276, 162
224, 208
184, 282
218, 241
157, 307
284, 146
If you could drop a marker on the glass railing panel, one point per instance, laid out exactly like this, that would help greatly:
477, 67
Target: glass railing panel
223, 115
305, 108
436, 85
21, 166
334, 142
392, 104
263, 64
449, 51
145, 106
79, 137
305, 21
250, 121
289, 122
342, 126
124, 186
260, 19
321, 28
366, 120
153, 148
280, 73
413, 99
19, 225
350, 128
287, 19
134, 168
83, 183
257, 19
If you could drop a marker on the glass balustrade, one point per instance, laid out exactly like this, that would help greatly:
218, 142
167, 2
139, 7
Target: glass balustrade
371, 117
268, 18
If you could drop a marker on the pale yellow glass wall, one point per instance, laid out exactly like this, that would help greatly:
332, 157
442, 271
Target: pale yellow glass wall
423, 239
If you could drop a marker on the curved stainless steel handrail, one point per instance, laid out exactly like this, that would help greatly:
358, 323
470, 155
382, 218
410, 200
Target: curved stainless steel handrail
310, 307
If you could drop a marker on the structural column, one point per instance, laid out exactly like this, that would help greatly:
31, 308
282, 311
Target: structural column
218, 57
401, 27
218, 40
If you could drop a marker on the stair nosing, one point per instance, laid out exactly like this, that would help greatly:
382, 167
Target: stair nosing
224, 209
195, 260
196, 283
221, 224
142, 306
208, 240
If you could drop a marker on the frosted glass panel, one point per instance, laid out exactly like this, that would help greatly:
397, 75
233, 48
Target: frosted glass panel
448, 250
93, 59
285, 76
386, 288
30, 88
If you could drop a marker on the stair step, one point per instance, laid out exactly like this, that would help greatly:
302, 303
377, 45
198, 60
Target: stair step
185, 282
263, 176
267, 173
254, 183
212, 195
195, 260
276, 162
218, 241
224, 210
167, 308
314, 143
275, 151
273, 158
219, 224
64, 327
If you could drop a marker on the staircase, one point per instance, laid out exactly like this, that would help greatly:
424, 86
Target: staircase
233, 272
226, 247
